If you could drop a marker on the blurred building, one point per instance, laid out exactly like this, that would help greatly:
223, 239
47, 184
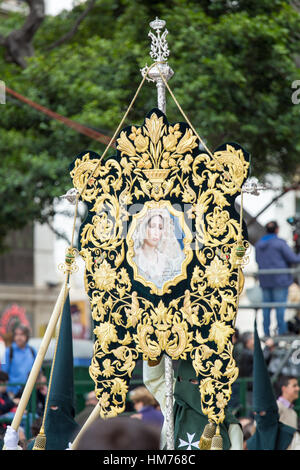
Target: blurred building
27, 275
286, 206
31, 280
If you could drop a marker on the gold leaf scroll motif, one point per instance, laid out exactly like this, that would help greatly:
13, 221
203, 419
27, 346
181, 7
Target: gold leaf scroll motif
157, 165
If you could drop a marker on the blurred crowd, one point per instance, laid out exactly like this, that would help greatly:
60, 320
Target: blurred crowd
16, 363
286, 386
17, 358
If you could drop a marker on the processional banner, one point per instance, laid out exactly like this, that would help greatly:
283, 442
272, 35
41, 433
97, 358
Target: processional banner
161, 244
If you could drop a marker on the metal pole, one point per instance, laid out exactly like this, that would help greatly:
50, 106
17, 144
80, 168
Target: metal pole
160, 52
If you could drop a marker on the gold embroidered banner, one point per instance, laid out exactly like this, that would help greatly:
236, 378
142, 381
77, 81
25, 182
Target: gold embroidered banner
162, 247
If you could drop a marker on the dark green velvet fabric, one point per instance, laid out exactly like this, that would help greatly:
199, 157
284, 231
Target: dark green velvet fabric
188, 416
177, 200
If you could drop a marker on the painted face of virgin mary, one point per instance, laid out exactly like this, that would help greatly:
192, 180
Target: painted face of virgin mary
154, 231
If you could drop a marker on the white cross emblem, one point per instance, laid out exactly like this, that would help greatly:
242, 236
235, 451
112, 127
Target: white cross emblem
190, 442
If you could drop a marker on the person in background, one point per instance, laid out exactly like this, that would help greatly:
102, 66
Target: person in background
19, 359
269, 350
289, 392
293, 323
119, 433
270, 433
245, 365
36, 426
234, 403
41, 393
146, 406
248, 427
7, 405
273, 252
2, 350
246, 355
90, 403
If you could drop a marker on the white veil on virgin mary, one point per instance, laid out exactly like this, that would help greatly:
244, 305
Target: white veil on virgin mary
165, 260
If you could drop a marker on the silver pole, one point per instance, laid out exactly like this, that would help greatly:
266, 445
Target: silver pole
160, 52
169, 417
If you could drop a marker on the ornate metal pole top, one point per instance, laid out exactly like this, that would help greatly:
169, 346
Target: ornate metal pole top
70, 195
252, 186
159, 46
159, 52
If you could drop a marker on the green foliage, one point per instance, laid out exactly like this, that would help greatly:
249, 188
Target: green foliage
234, 63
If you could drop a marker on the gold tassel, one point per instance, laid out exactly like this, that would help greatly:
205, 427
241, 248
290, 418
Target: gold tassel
217, 441
206, 438
40, 441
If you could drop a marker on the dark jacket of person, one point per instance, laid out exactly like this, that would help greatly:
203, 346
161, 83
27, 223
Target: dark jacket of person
274, 253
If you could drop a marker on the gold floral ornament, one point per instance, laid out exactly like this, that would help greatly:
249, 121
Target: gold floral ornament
163, 250
104, 276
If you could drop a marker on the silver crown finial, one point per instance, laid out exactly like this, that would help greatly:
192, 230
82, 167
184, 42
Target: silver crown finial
157, 24
159, 52
159, 46
253, 186
70, 195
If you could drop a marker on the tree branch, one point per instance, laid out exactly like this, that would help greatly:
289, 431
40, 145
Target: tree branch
73, 30
296, 4
18, 43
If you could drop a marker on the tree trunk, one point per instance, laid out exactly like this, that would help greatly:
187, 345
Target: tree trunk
18, 43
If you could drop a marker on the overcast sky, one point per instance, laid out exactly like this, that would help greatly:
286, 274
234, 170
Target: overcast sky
53, 7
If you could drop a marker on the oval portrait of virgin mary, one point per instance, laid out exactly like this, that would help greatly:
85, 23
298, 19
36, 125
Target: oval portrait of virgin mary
158, 246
